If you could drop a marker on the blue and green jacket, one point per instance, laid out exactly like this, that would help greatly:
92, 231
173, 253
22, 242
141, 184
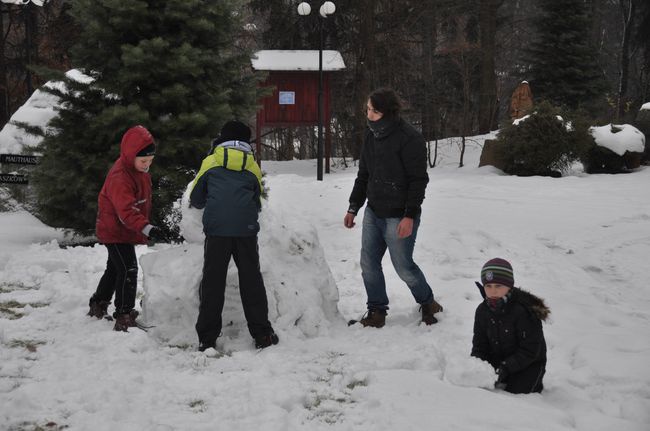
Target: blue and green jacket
228, 187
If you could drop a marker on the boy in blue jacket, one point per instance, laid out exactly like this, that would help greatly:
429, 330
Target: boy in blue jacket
228, 188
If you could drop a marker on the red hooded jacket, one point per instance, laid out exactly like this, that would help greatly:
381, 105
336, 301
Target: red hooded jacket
124, 203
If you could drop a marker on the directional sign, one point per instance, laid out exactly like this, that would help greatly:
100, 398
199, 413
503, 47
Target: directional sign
19, 159
13, 179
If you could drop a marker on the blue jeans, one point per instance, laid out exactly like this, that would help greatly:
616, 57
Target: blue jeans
377, 235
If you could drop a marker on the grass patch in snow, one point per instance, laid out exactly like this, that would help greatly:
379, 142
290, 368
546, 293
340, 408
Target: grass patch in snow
10, 287
198, 406
30, 345
8, 308
33, 426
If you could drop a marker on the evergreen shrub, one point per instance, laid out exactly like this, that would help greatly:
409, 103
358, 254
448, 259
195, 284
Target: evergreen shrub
544, 143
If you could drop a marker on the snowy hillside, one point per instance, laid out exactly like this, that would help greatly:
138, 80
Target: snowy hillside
580, 242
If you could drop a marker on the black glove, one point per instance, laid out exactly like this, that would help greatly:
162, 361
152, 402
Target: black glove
502, 374
157, 235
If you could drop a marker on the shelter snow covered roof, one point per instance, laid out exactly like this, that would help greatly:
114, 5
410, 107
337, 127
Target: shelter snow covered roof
297, 60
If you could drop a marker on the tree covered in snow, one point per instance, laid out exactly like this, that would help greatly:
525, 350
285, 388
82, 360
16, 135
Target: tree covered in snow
174, 66
563, 63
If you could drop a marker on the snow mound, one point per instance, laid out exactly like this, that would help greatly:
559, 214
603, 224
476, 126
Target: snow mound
619, 138
301, 291
38, 110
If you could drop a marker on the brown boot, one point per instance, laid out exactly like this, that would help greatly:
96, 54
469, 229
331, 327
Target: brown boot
125, 321
374, 318
428, 311
98, 309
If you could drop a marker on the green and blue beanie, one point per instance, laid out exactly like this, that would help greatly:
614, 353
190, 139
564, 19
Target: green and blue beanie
498, 271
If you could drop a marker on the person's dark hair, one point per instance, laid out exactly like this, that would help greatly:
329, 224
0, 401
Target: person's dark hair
386, 101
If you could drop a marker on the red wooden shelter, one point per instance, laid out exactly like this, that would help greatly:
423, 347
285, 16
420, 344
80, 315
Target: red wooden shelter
294, 77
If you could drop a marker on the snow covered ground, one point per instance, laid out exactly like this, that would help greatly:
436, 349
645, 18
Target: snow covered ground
580, 242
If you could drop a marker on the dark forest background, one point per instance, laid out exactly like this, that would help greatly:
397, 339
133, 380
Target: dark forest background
182, 68
455, 63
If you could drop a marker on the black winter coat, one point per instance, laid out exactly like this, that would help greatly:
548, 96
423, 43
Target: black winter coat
511, 337
392, 172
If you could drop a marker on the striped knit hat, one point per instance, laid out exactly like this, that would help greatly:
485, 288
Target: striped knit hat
498, 271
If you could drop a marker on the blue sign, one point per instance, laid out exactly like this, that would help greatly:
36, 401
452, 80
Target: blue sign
287, 97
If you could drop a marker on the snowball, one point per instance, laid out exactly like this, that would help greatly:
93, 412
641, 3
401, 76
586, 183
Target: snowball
469, 371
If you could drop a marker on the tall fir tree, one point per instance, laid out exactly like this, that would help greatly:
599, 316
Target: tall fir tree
174, 66
564, 68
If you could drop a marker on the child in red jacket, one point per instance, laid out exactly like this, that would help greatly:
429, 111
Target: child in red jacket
123, 212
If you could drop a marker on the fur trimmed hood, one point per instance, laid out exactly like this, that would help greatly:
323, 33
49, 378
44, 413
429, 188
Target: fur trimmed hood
535, 304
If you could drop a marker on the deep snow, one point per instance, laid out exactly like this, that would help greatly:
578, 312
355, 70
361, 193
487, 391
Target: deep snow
581, 242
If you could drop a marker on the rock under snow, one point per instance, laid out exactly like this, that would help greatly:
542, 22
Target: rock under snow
301, 291
619, 138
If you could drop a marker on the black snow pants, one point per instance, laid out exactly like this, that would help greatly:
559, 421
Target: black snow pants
527, 380
216, 257
120, 277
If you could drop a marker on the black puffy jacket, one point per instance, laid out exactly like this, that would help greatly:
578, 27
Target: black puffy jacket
512, 337
392, 172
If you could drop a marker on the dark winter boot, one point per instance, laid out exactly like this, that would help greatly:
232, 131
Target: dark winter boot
266, 340
203, 346
374, 318
98, 309
428, 311
125, 321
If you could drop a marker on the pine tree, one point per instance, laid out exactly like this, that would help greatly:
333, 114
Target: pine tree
563, 69
173, 66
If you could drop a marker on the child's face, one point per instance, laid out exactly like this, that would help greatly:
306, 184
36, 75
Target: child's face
142, 163
496, 290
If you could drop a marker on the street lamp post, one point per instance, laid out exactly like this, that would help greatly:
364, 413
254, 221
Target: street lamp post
326, 9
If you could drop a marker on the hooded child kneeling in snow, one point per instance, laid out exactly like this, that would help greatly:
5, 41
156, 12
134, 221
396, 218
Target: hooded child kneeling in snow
508, 330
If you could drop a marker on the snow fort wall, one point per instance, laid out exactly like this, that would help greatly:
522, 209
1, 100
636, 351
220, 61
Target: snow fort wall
302, 294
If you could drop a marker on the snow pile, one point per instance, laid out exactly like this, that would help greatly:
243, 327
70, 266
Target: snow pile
39, 109
301, 291
619, 138
646, 106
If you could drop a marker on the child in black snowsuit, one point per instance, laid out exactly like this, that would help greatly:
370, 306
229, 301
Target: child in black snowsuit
508, 330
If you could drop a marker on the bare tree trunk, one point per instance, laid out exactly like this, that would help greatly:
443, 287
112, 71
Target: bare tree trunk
627, 16
429, 33
4, 90
488, 81
365, 55
286, 150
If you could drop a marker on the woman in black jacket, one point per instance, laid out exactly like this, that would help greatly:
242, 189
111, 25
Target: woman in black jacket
508, 330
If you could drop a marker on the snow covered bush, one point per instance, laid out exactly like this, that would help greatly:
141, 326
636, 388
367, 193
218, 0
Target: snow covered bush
616, 148
642, 123
541, 143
